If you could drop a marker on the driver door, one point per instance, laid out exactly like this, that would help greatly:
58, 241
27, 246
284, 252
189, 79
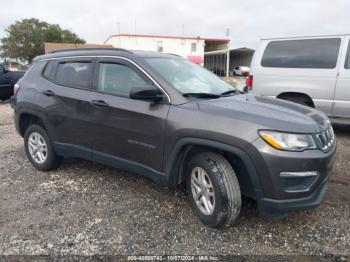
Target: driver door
342, 92
124, 129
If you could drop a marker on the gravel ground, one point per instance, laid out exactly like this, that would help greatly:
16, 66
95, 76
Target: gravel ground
85, 208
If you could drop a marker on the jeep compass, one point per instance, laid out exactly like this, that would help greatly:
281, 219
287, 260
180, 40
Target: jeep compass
173, 121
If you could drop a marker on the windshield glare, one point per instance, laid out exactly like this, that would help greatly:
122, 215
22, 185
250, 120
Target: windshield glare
188, 77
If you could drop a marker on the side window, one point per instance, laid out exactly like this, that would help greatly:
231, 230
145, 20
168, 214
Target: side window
193, 47
347, 58
49, 71
160, 46
118, 79
74, 74
306, 53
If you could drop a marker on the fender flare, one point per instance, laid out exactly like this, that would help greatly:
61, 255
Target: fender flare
182, 147
19, 112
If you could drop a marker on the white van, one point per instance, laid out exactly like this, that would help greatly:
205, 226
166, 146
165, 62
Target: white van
313, 71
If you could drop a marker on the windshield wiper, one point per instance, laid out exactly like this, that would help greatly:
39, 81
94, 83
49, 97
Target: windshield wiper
201, 95
232, 91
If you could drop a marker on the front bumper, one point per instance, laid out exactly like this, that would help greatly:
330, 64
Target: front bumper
276, 199
280, 207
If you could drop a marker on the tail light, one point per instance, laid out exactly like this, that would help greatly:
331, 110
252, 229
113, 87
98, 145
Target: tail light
16, 88
249, 82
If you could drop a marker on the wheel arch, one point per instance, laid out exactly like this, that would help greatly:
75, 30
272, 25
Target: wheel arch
26, 118
238, 158
285, 95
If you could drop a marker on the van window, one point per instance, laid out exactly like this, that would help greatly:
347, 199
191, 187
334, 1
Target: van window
49, 71
193, 47
308, 53
160, 46
347, 59
118, 79
74, 74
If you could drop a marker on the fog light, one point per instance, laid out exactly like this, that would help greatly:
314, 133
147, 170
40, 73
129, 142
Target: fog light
298, 181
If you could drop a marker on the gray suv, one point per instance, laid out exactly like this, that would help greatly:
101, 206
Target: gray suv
164, 117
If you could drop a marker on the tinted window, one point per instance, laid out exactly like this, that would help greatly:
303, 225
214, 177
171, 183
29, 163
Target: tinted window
118, 79
309, 53
347, 59
74, 74
49, 71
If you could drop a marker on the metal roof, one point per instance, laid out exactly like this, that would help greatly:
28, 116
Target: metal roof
241, 49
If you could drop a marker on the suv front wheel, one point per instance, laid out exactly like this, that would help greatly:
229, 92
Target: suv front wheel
39, 149
213, 189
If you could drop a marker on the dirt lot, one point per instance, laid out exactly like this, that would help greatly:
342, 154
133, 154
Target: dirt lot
85, 208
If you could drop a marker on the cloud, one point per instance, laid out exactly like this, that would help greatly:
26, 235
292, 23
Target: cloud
248, 20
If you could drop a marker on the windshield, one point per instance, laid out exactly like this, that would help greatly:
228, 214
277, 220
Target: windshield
188, 77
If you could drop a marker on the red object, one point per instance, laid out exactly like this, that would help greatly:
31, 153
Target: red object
196, 59
249, 82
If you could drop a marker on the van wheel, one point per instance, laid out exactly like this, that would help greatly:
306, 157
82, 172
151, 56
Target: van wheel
213, 189
39, 149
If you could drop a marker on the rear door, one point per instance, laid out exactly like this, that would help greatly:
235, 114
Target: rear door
124, 128
64, 94
342, 92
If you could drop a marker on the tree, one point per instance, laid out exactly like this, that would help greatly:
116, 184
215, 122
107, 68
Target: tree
25, 39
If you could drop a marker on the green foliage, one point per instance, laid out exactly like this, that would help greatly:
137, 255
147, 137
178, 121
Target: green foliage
25, 39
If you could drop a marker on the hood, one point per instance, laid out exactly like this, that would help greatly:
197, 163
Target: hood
269, 113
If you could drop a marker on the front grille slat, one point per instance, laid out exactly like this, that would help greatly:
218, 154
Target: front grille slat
326, 139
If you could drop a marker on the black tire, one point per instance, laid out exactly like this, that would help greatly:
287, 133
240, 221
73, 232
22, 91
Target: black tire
227, 192
52, 160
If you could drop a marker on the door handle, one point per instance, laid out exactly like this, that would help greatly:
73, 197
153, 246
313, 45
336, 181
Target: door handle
48, 93
99, 103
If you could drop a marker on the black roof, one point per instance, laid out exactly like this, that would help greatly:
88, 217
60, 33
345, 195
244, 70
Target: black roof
101, 52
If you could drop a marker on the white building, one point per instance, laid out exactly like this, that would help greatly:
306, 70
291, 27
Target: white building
192, 48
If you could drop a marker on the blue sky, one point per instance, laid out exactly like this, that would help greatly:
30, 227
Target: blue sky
248, 20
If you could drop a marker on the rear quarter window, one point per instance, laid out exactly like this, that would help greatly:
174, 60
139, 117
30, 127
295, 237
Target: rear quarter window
306, 53
50, 70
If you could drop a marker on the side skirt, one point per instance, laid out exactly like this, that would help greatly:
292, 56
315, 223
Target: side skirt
69, 150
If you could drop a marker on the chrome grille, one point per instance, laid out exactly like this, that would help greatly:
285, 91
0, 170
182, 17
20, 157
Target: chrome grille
326, 139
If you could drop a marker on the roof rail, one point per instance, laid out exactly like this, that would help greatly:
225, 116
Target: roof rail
89, 49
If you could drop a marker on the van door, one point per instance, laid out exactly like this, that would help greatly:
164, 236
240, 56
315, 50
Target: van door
342, 92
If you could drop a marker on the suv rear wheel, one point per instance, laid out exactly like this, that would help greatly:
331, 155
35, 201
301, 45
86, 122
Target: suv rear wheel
213, 189
39, 149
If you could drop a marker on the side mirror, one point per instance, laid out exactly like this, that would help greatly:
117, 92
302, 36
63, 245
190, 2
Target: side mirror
146, 93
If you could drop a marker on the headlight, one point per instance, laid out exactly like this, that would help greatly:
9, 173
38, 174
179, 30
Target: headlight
288, 141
